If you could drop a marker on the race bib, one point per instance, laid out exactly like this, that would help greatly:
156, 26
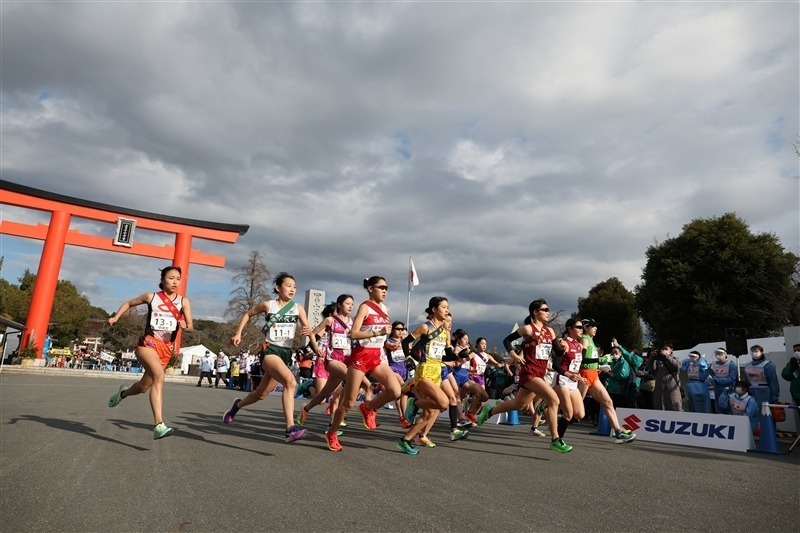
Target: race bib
543, 351
161, 321
575, 365
436, 350
398, 356
281, 331
341, 342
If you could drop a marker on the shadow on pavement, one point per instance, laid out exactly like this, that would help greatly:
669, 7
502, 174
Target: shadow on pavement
75, 427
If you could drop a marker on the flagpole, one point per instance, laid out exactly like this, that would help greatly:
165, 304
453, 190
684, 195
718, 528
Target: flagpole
408, 303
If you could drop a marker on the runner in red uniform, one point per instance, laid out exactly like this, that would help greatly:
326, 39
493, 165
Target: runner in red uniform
167, 312
536, 347
370, 328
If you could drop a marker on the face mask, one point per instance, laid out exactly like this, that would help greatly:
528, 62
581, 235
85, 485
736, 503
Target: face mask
739, 391
694, 360
797, 354
721, 358
616, 356
757, 355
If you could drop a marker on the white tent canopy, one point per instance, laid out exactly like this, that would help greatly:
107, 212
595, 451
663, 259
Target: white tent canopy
191, 355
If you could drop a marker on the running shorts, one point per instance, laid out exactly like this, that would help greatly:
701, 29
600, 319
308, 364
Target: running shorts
430, 371
365, 359
284, 353
163, 349
591, 375
399, 368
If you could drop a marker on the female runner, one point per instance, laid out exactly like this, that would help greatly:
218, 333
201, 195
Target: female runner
567, 376
283, 315
397, 362
428, 392
336, 329
166, 312
370, 327
536, 348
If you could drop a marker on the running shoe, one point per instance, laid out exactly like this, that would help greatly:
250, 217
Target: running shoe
560, 446
389, 405
294, 433
117, 397
333, 442
405, 424
624, 436
161, 431
536, 432
458, 434
471, 416
410, 408
301, 418
484, 414
406, 447
339, 432
425, 441
230, 413
344, 423
368, 415
541, 405
464, 424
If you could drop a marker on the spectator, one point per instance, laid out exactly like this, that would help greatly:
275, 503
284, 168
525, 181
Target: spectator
791, 373
667, 390
245, 360
222, 365
761, 377
696, 369
740, 403
235, 372
722, 375
206, 367
618, 379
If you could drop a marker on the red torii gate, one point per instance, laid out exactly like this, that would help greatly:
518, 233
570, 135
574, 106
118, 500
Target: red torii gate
56, 235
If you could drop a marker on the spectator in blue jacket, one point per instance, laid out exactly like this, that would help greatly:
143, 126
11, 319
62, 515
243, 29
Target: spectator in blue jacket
696, 369
740, 403
721, 375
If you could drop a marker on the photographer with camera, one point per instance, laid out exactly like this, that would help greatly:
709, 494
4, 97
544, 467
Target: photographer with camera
665, 367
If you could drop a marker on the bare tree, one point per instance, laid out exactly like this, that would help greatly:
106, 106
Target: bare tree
251, 286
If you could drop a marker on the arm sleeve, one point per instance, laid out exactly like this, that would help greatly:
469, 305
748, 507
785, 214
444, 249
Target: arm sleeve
510, 339
406, 344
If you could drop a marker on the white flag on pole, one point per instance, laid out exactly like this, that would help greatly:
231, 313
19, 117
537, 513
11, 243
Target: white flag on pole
413, 275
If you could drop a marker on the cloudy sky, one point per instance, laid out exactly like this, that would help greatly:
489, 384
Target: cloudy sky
515, 150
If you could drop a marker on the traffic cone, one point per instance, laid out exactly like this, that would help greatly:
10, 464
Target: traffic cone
512, 418
603, 425
768, 440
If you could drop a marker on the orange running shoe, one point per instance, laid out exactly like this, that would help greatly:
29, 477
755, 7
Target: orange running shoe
368, 415
405, 424
333, 441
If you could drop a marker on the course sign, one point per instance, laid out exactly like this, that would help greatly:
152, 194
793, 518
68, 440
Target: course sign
721, 432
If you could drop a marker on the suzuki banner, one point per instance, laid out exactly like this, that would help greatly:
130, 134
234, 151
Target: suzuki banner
722, 432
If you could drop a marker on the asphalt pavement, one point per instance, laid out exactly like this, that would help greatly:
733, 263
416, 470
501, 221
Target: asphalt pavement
70, 463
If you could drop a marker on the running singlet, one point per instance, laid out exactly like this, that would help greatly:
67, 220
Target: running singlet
434, 348
161, 323
590, 359
537, 350
570, 362
479, 364
282, 332
374, 322
339, 343
396, 354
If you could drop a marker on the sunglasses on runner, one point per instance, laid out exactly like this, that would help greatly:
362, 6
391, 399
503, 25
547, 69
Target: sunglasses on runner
543, 310
382, 287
